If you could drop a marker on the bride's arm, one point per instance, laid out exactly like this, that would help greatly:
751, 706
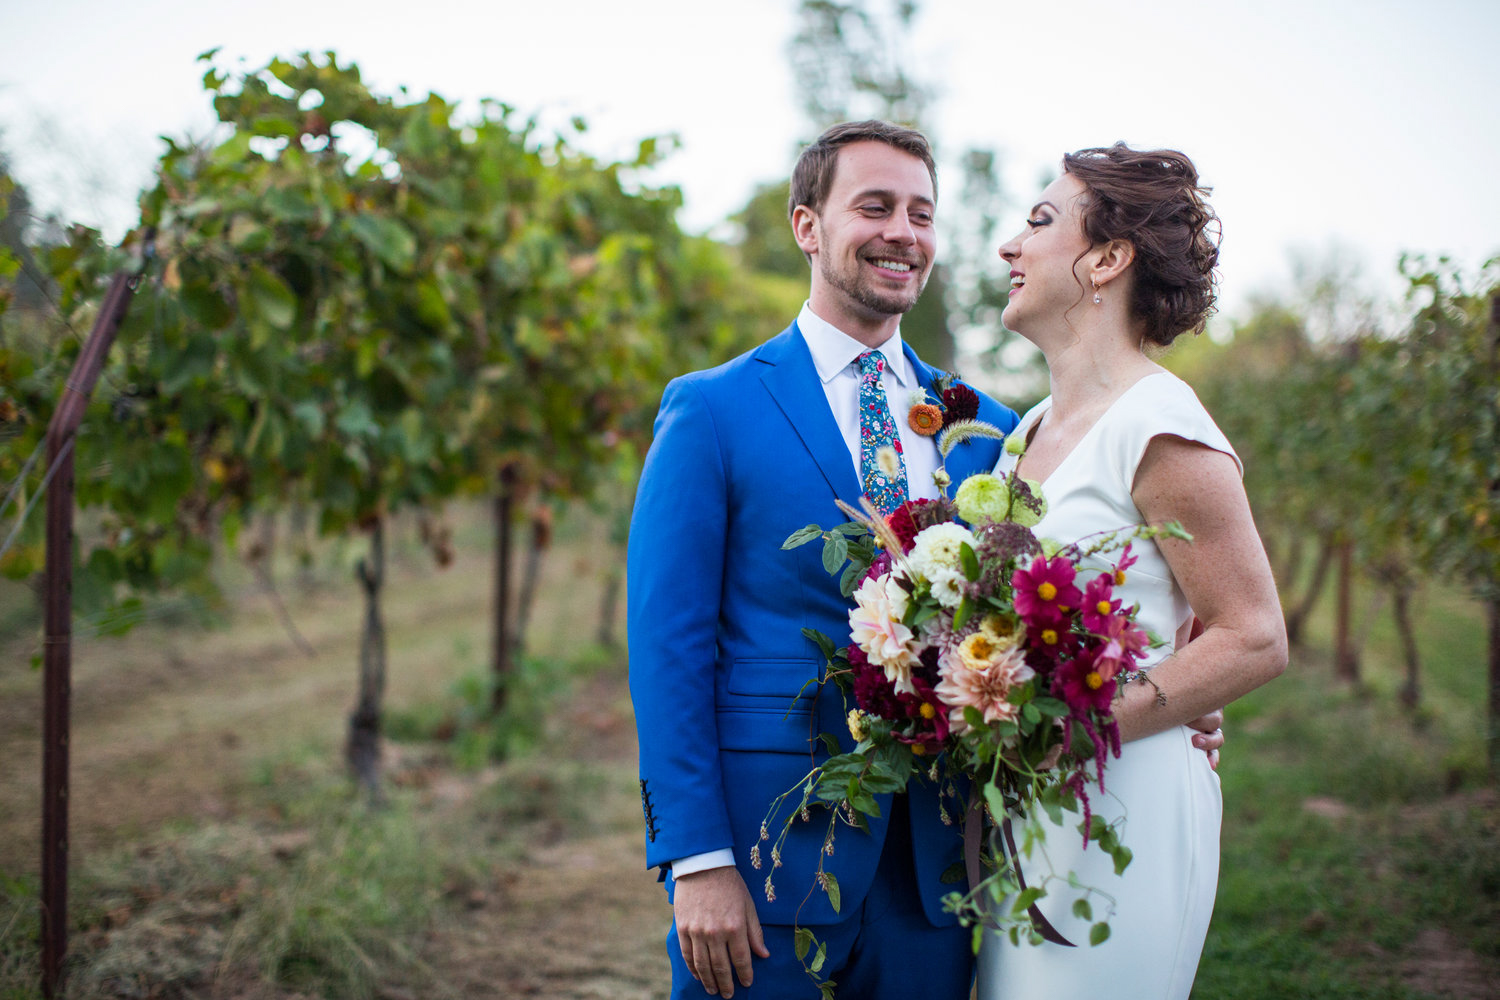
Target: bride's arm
1226, 578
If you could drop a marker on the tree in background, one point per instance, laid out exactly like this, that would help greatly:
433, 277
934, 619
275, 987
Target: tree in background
1452, 363
1382, 449
362, 305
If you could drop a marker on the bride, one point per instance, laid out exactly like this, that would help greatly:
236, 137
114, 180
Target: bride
1117, 258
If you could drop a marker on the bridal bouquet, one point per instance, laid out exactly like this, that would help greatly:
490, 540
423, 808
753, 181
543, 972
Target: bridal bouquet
984, 659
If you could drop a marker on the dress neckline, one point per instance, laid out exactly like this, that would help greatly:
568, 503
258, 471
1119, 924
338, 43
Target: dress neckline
1045, 407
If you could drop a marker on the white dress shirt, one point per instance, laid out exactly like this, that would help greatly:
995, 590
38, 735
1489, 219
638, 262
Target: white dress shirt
835, 356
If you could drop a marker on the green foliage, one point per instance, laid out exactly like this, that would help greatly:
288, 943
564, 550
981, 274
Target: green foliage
329, 904
359, 305
765, 243
465, 722
1392, 442
848, 62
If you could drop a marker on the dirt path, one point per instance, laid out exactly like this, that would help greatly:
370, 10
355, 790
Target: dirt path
577, 917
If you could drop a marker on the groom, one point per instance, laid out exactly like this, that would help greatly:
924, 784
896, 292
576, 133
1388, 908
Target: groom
720, 673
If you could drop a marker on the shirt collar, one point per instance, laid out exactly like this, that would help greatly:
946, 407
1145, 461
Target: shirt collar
833, 350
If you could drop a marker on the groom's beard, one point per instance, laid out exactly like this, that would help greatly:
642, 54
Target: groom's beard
851, 278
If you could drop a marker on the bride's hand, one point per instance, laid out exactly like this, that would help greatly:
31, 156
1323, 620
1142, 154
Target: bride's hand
1210, 735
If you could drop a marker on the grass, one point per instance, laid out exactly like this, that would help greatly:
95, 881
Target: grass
287, 885
310, 893
1358, 844
329, 905
1359, 840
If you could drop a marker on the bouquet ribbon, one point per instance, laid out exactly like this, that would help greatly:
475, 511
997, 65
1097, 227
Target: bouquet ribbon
973, 839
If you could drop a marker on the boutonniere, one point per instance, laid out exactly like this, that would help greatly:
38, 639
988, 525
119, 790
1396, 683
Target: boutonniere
949, 413
948, 402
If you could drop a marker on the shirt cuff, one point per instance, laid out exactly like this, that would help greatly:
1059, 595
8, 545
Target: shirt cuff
722, 858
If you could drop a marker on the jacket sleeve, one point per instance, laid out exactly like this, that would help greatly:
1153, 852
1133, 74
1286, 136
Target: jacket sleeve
674, 571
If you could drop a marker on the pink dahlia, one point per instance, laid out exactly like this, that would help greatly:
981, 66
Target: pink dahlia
875, 625
980, 674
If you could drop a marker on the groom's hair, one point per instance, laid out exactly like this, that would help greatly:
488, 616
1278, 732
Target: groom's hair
812, 178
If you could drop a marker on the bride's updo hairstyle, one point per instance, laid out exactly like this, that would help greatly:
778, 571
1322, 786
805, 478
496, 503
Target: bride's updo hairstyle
1152, 199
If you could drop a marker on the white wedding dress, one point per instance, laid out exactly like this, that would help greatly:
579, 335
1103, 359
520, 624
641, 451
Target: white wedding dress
1161, 786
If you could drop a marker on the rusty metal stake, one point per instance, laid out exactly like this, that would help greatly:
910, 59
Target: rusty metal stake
58, 627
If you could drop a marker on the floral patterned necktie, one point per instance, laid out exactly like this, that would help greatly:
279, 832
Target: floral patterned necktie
882, 469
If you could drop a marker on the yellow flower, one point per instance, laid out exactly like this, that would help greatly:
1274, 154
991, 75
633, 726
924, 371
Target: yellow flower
1006, 630
857, 726
978, 650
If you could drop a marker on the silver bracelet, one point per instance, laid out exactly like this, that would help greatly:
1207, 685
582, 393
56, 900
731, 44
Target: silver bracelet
1144, 676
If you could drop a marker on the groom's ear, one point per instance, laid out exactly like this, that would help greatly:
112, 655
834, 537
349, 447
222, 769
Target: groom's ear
1114, 257
805, 229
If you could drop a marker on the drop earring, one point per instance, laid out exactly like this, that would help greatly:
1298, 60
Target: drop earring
1097, 297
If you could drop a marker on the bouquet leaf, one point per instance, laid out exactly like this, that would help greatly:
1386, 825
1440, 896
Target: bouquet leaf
831, 886
802, 941
802, 536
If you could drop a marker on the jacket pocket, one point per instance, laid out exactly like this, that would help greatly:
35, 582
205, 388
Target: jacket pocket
772, 678
783, 730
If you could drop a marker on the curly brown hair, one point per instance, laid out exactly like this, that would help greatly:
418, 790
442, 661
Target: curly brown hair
1152, 199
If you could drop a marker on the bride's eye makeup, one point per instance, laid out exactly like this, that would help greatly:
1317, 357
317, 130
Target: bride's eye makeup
1039, 222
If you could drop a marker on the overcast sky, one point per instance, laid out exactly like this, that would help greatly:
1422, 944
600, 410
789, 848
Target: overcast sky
1369, 125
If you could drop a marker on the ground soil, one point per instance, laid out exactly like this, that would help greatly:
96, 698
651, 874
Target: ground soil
171, 723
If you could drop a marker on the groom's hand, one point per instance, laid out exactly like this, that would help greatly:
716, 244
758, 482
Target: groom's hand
717, 928
1210, 735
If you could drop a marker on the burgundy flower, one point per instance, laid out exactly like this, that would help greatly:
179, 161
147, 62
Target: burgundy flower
1098, 607
1045, 591
908, 520
1048, 642
879, 566
929, 717
1084, 686
959, 403
873, 691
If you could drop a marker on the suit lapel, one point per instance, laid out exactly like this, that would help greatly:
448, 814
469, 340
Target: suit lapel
793, 383
961, 462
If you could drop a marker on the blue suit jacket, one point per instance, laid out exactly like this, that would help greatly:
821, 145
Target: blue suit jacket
744, 455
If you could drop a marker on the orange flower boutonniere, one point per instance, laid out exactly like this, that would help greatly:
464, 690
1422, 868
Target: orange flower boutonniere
925, 418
